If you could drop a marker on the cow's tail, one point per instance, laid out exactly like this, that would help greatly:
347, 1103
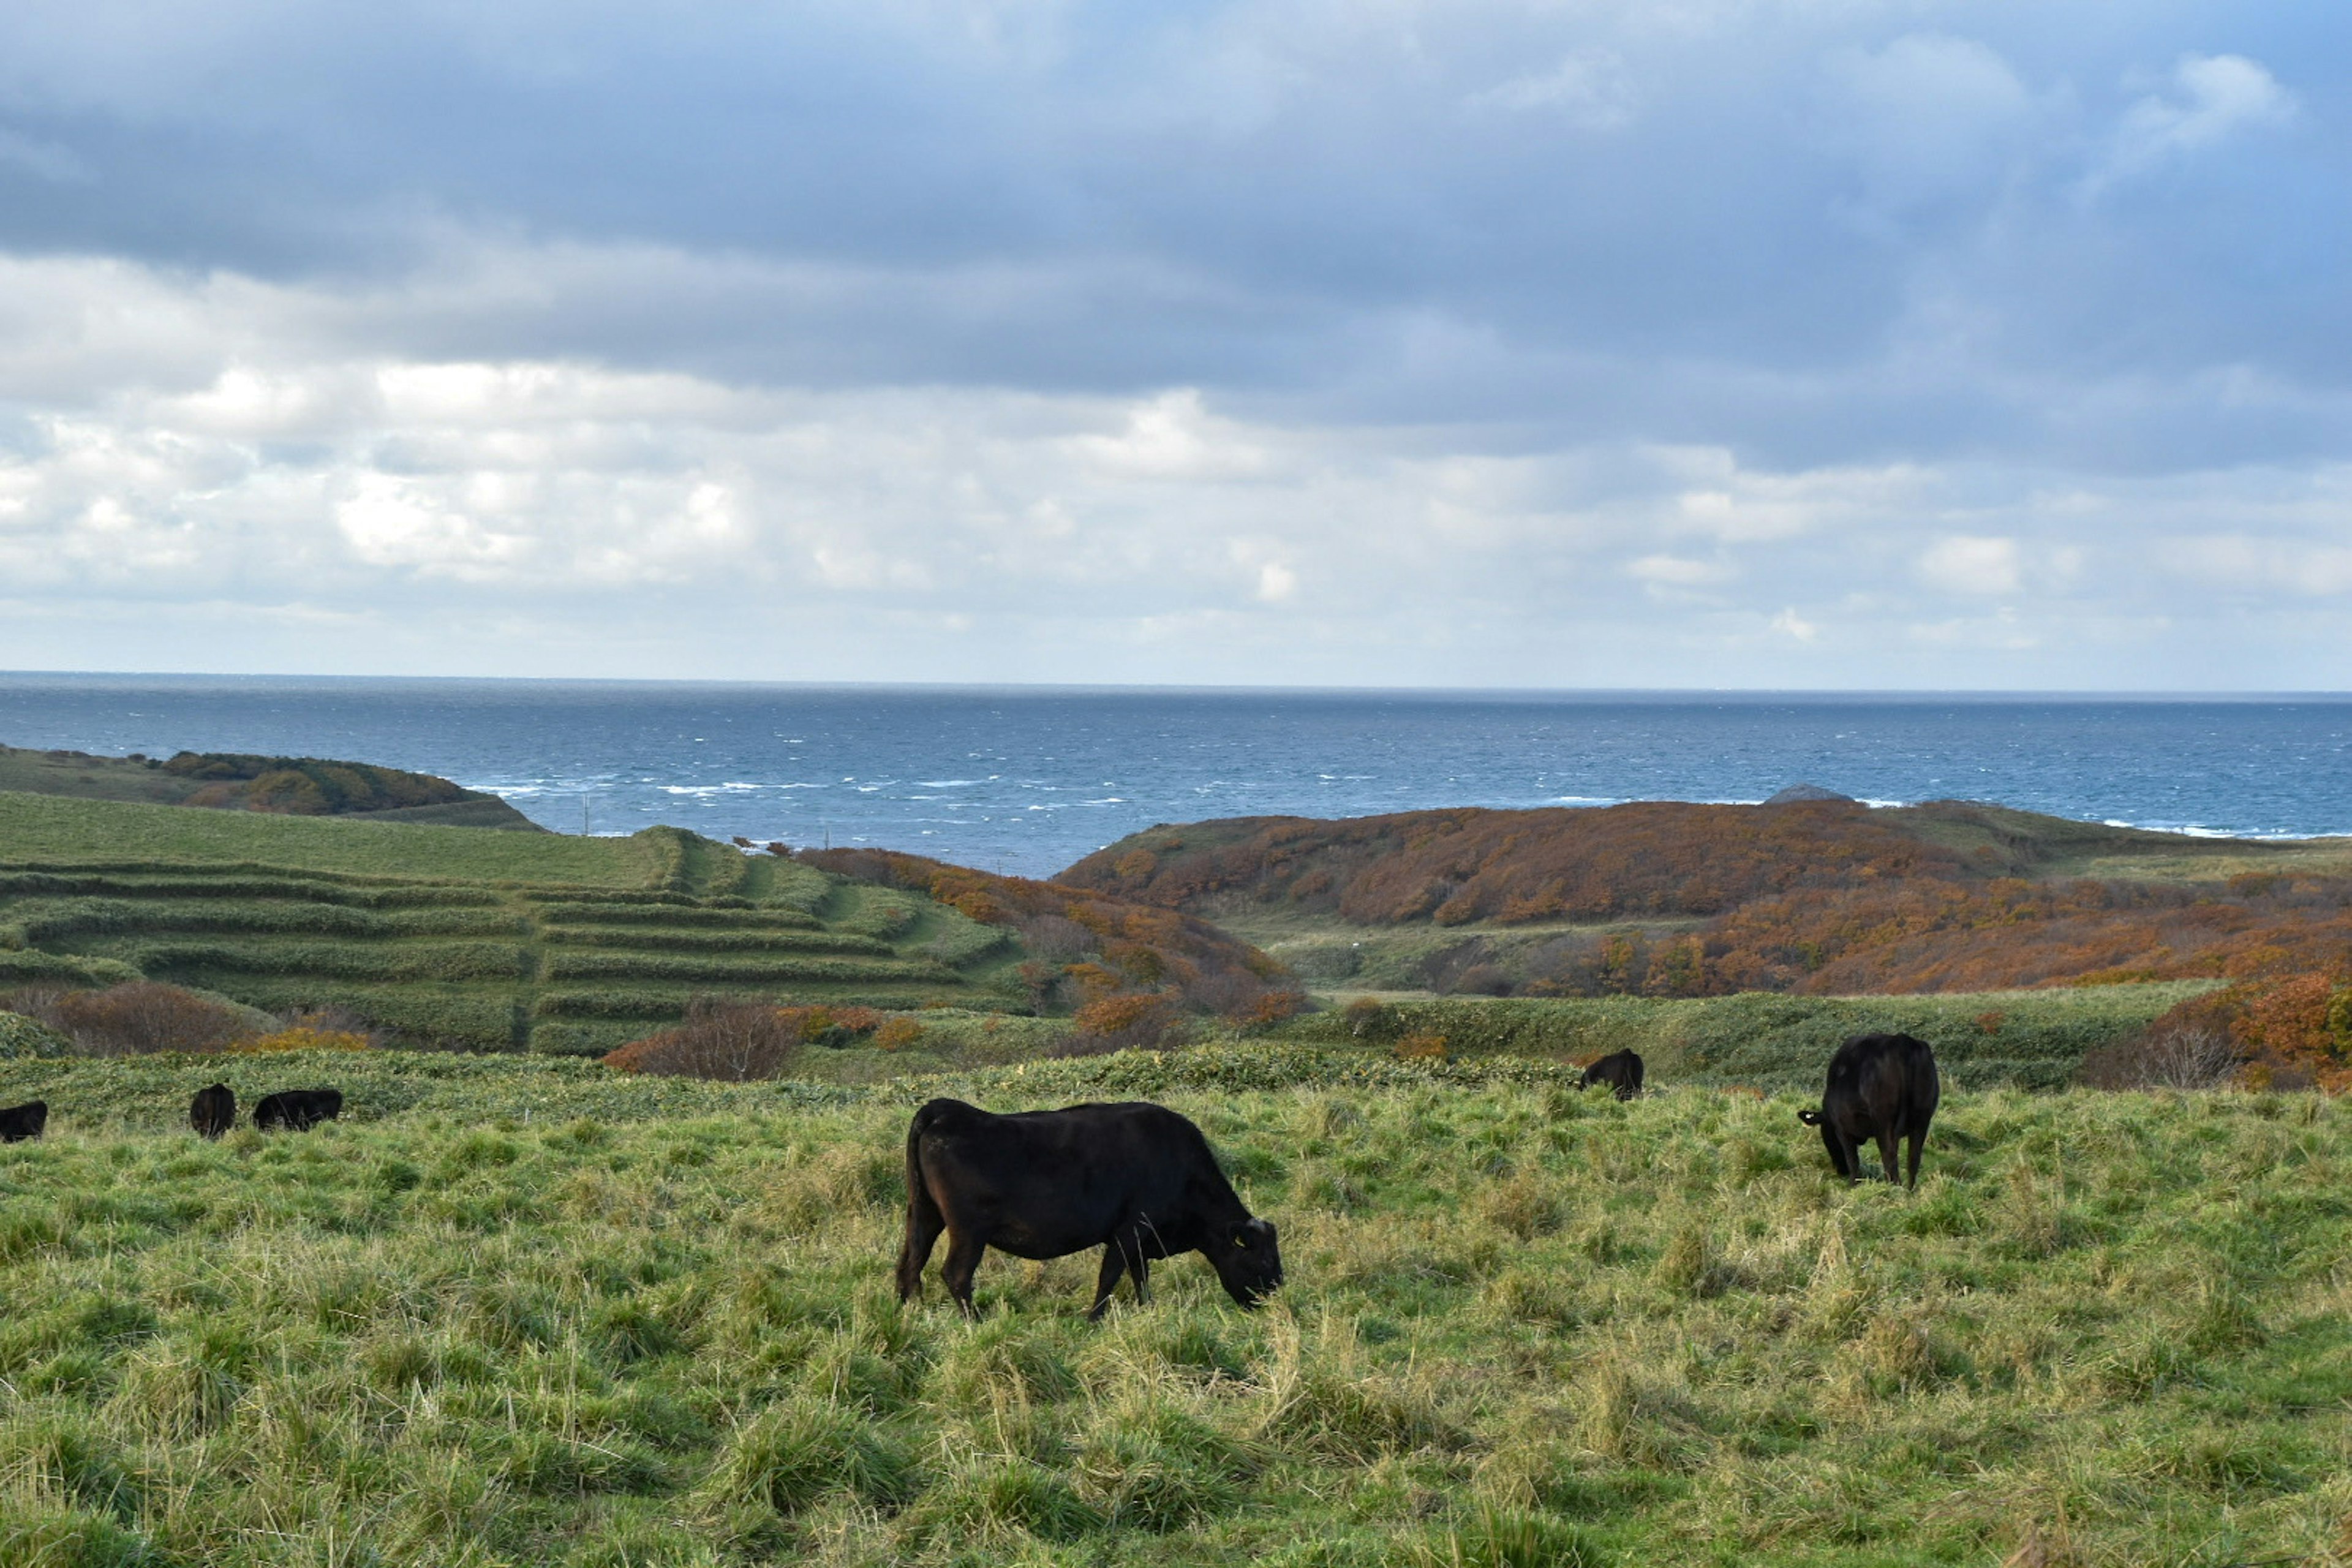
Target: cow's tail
924, 1220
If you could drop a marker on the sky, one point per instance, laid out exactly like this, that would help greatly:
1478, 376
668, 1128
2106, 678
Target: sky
1714, 343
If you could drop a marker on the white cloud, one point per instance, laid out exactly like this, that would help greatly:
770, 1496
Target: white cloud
1678, 570
1965, 565
2239, 564
2213, 99
1789, 624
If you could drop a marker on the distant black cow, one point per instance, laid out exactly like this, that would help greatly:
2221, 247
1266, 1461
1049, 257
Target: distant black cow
22, 1122
1136, 1180
213, 1111
1881, 1087
1622, 1071
295, 1109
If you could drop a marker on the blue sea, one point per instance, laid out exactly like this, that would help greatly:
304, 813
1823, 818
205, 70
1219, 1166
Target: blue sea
1026, 780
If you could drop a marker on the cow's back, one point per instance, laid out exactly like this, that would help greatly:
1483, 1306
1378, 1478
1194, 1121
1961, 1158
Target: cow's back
1884, 1082
1046, 1178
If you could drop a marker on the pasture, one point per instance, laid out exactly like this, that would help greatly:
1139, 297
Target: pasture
524, 1311
455, 936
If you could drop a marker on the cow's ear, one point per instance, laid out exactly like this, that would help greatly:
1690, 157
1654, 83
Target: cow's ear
1809, 1118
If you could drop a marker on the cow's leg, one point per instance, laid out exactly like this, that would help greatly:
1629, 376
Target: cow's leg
1886, 1158
924, 1223
1850, 1159
1113, 1263
964, 1250
1918, 1140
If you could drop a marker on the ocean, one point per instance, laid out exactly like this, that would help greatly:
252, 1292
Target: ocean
1027, 780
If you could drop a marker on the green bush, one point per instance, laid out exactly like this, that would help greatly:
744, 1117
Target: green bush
338, 960
721, 941
22, 1037
782, 971
672, 911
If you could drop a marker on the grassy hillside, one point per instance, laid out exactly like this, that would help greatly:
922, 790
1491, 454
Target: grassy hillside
522, 1312
2024, 1039
307, 786
489, 941
1826, 897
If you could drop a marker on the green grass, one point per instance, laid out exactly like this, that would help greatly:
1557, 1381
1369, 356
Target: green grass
46, 828
522, 1312
2030, 1039
615, 935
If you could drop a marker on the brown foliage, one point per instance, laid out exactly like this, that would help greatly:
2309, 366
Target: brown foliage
2194, 1046
1652, 857
1085, 948
736, 1042
1137, 1021
136, 1020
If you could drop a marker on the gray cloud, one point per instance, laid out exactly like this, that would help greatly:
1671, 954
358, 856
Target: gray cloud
1738, 342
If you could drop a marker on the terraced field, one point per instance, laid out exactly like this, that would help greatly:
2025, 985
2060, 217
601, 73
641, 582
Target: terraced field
447, 935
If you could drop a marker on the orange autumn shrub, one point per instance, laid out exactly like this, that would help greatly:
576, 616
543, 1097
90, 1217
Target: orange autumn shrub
302, 1039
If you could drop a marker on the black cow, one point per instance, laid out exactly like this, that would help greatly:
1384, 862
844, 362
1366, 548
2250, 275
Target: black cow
22, 1122
1136, 1180
1622, 1071
1881, 1087
213, 1111
297, 1110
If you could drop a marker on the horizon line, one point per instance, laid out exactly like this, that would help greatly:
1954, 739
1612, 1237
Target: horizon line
2148, 694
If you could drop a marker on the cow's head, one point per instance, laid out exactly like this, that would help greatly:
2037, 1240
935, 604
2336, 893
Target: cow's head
1830, 1140
1247, 1259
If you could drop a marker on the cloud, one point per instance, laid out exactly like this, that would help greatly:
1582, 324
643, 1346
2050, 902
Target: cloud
1927, 119
1615, 342
2214, 99
1589, 89
1961, 565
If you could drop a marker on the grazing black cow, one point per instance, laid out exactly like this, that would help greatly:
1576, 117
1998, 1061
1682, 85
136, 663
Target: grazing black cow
1881, 1087
1136, 1180
20, 1122
298, 1110
1622, 1071
213, 1111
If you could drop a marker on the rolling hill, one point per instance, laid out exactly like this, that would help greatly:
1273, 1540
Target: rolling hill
492, 942
1826, 897
293, 786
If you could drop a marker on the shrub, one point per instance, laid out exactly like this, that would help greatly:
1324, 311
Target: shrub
1134, 1021
24, 1036
1421, 1048
897, 1033
733, 1041
302, 1039
138, 1018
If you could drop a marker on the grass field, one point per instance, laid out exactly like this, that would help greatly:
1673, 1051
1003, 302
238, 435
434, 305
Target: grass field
490, 941
1983, 1039
523, 1311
